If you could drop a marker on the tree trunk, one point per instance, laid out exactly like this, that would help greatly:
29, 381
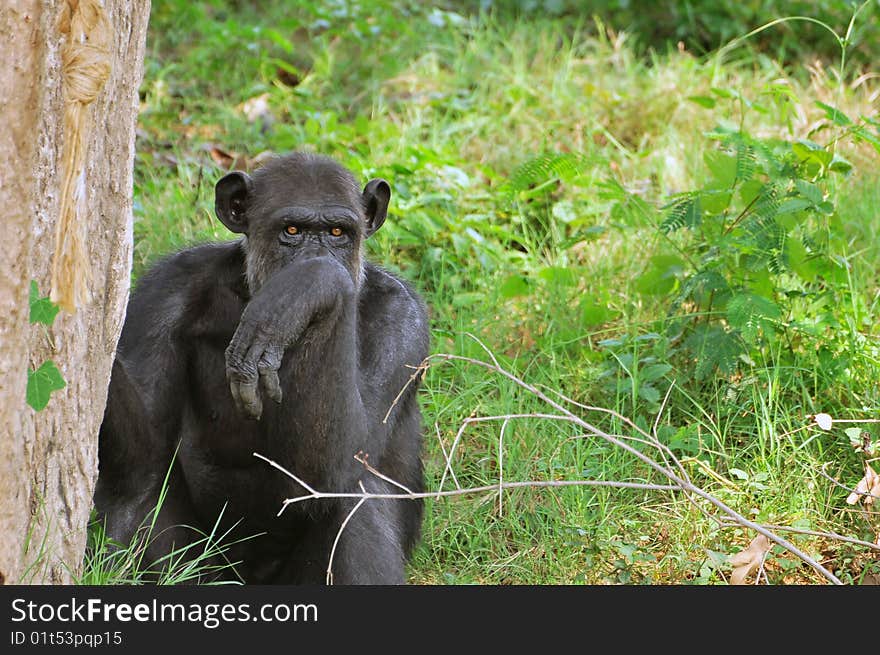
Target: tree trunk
49, 459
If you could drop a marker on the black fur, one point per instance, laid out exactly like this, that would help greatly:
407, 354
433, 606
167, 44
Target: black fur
287, 345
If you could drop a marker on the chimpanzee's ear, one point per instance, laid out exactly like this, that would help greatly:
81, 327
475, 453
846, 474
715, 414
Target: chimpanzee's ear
377, 194
232, 194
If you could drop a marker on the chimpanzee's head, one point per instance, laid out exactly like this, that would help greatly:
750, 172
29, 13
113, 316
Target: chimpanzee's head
300, 205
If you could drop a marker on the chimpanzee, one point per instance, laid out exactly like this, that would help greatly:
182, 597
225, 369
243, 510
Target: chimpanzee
285, 343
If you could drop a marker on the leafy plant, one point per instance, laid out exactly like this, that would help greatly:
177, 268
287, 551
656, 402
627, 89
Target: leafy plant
533, 177
759, 245
635, 371
46, 379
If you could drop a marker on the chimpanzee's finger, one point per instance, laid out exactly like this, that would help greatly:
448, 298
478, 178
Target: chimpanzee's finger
251, 404
268, 367
243, 377
270, 384
239, 348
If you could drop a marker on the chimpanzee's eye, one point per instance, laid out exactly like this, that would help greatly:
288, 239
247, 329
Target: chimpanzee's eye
336, 231
291, 230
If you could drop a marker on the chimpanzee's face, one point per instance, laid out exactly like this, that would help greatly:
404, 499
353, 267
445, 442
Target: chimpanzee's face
300, 207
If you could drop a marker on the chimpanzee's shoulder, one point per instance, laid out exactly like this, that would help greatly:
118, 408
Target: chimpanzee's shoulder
383, 286
389, 305
179, 289
205, 262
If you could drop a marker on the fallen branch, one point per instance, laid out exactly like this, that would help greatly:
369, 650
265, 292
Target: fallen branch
814, 533
674, 472
329, 578
313, 494
681, 482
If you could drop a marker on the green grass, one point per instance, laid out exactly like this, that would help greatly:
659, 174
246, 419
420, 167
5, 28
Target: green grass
528, 160
109, 562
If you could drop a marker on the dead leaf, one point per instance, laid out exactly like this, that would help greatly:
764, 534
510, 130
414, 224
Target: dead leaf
230, 160
748, 560
288, 76
261, 158
256, 108
868, 488
222, 158
824, 421
871, 579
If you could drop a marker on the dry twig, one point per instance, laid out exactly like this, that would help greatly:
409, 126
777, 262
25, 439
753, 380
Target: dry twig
674, 472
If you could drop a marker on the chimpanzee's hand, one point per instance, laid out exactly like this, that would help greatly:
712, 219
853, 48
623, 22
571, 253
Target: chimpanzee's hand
253, 358
275, 318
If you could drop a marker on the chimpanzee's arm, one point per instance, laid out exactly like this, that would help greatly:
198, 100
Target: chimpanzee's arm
313, 294
135, 465
148, 389
393, 335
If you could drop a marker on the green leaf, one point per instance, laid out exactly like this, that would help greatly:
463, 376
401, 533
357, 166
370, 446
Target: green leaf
839, 164
685, 440
799, 260
862, 133
559, 275
703, 286
808, 151
713, 348
685, 211
703, 101
723, 168
793, 205
532, 177
279, 40
467, 298
660, 276
654, 372
43, 310
810, 191
593, 313
649, 393
654, 282
715, 201
749, 312
826, 208
41, 383
738, 473
312, 129
513, 286
724, 93
749, 191
746, 162
835, 114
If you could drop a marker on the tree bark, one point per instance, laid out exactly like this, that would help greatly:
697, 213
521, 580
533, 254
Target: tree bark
48, 459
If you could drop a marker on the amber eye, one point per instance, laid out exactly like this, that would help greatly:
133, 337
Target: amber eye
336, 231
291, 229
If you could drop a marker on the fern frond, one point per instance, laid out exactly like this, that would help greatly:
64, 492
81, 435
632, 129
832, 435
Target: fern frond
746, 162
760, 223
777, 262
546, 168
750, 313
768, 201
700, 285
684, 211
713, 347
